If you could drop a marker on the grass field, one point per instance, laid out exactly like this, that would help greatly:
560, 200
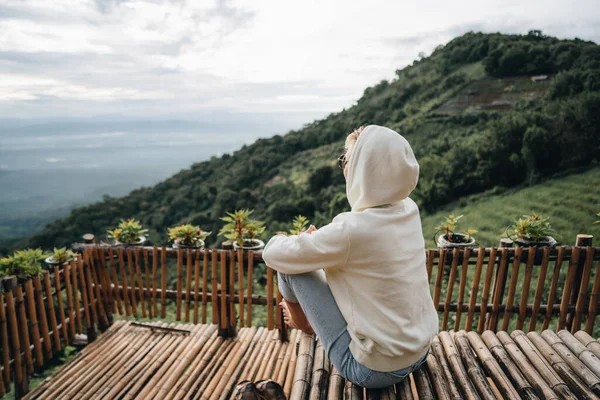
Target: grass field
571, 202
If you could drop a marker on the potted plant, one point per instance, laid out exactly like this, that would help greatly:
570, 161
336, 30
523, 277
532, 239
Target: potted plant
449, 238
129, 232
299, 225
60, 256
188, 236
243, 231
597, 222
23, 264
532, 230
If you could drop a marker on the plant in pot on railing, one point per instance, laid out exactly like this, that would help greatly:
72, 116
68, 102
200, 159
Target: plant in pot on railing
60, 256
129, 232
188, 236
532, 230
449, 238
299, 225
242, 231
23, 264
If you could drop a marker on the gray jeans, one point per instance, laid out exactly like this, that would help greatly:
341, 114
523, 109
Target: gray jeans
314, 295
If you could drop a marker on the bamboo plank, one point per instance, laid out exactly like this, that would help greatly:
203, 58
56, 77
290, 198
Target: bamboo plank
335, 391
491, 367
128, 308
521, 384
163, 283
568, 287
486, 289
241, 287
423, 384
303, 372
589, 342
458, 371
583, 289
279, 361
579, 378
320, 373
541, 365
538, 382
474, 290
60, 304
352, 391
113, 271
539, 289
553, 286
582, 352
188, 285
269, 298
438, 379
213, 369
196, 286
234, 378
461, 289
291, 372
593, 302
50, 311
403, 390
262, 372
450, 386
204, 285
450, 288
439, 278
472, 368
286, 364
5, 345
256, 355
132, 281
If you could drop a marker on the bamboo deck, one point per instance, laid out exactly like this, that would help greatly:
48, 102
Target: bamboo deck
130, 361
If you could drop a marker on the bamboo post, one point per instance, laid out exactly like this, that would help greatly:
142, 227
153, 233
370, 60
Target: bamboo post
241, 287
148, 285
526, 285
450, 288
5, 346
205, 285
76, 296
33, 323
95, 277
124, 280
430, 259
461, 290
223, 295
196, 285
154, 279
582, 290
593, 302
569, 281
213, 280
514, 276
138, 271
42, 317
188, 284
231, 318
69, 289
250, 285
163, 283
269, 298
539, 289
60, 304
23, 328
553, 286
499, 285
132, 280
20, 372
475, 289
439, 278
107, 287
89, 323
179, 282
486, 289
50, 311
87, 278
582, 240
115, 287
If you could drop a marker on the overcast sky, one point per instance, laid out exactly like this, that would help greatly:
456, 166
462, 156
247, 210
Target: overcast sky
142, 58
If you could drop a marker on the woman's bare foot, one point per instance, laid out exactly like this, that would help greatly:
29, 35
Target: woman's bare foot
294, 316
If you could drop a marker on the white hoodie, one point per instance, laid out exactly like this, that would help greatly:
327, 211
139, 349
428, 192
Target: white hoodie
373, 256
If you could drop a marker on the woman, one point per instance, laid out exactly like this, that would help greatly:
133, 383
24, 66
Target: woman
360, 282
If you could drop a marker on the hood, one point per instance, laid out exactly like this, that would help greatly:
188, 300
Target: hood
382, 169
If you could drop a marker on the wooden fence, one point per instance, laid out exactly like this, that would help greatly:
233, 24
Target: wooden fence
474, 289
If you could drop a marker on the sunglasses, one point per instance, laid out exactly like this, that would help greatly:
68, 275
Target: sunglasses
342, 161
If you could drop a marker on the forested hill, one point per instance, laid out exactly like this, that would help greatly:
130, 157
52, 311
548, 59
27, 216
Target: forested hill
483, 112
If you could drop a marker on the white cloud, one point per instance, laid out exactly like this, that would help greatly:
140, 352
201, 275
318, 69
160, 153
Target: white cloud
140, 57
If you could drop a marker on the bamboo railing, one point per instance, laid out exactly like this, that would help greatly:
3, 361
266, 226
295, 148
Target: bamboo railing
497, 289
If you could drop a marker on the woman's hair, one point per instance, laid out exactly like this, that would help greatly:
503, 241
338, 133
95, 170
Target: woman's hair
351, 140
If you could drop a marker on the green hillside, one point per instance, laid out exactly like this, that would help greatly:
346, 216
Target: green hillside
572, 203
475, 119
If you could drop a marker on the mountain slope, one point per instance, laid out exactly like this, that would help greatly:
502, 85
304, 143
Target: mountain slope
461, 152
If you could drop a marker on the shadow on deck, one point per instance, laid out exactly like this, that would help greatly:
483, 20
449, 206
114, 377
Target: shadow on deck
130, 361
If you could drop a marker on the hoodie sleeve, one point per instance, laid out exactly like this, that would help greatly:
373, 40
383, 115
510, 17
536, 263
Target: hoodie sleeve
326, 247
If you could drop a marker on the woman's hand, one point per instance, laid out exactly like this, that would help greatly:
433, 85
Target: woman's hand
310, 229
